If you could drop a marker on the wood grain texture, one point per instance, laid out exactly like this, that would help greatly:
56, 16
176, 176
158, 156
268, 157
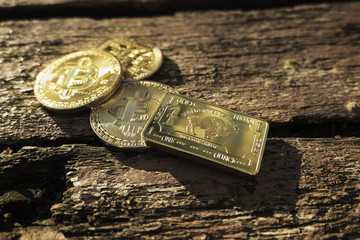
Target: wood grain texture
290, 66
286, 65
307, 188
148, 5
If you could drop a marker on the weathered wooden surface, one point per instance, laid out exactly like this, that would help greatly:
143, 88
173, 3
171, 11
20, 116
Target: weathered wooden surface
307, 188
145, 6
285, 65
296, 67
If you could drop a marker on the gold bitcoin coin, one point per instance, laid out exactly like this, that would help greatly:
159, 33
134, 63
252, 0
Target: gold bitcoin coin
120, 120
139, 58
209, 134
77, 80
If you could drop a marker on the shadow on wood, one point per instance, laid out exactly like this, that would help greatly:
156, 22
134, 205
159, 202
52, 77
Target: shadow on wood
275, 187
30, 182
169, 73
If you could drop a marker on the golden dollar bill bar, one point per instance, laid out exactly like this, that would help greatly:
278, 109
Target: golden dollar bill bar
203, 131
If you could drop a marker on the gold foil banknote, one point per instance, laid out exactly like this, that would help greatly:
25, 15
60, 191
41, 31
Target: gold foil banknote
208, 132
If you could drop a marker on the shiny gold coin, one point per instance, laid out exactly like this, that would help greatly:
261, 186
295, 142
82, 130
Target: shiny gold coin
207, 133
120, 120
139, 58
77, 80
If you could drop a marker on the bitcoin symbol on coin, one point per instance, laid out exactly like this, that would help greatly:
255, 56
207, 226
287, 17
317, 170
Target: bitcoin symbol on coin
78, 80
75, 77
121, 120
139, 58
133, 112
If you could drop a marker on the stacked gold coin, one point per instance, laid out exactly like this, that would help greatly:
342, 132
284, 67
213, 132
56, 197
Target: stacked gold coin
139, 58
135, 114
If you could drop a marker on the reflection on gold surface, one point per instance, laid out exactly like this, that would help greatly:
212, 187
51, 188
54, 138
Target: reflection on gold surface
217, 134
121, 119
139, 58
77, 80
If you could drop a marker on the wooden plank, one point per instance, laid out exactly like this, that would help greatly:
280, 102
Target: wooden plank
307, 188
285, 65
146, 6
291, 65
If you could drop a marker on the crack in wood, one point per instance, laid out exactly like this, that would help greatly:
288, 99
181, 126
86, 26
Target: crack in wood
44, 9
